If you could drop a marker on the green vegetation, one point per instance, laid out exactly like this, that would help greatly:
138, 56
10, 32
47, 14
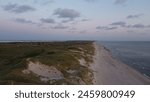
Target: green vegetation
62, 55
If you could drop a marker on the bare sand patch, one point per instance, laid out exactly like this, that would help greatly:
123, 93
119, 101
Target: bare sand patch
82, 62
45, 72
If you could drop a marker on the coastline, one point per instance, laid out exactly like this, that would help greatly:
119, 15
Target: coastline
109, 71
70, 63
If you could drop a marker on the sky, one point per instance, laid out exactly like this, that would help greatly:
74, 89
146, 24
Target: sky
104, 20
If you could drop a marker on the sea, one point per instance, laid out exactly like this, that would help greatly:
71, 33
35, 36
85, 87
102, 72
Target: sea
133, 53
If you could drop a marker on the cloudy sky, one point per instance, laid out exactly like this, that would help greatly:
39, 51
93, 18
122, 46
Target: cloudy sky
75, 20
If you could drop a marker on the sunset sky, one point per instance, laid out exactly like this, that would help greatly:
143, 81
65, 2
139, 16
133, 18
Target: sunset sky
107, 20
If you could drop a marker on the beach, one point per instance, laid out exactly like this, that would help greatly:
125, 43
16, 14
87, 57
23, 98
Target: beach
109, 71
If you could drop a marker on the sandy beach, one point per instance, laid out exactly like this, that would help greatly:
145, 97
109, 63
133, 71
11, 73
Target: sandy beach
109, 71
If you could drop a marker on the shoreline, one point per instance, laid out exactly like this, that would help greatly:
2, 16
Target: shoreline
75, 63
109, 71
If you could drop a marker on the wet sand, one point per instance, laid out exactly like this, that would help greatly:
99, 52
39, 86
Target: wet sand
109, 71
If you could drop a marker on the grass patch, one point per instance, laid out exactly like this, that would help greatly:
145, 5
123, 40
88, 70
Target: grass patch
62, 55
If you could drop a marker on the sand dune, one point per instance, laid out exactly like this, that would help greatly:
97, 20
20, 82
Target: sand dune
44, 72
109, 71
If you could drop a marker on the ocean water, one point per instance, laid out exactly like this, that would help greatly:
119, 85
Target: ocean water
135, 54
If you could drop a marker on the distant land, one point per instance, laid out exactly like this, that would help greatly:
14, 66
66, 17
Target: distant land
63, 63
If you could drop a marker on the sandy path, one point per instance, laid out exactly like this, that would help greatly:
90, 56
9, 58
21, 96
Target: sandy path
108, 71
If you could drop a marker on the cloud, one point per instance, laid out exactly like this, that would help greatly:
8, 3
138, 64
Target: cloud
60, 26
134, 16
43, 2
66, 13
105, 28
139, 26
120, 1
66, 21
85, 20
18, 8
120, 23
123, 25
47, 20
23, 21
